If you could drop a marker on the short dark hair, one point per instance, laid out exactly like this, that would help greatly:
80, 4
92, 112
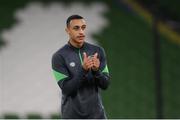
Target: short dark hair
72, 17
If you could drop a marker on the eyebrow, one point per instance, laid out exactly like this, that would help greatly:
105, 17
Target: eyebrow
79, 26
76, 26
83, 25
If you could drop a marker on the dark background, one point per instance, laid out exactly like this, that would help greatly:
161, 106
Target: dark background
135, 68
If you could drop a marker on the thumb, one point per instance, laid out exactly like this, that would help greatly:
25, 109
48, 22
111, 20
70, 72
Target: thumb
84, 55
95, 55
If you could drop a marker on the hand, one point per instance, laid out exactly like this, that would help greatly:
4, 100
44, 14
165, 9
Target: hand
96, 62
87, 62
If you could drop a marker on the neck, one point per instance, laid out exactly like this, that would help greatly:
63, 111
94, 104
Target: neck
75, 44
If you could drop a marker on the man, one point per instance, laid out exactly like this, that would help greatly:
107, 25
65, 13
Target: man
81, 71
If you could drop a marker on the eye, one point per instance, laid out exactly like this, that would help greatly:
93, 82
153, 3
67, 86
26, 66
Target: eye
76, 27
83, 27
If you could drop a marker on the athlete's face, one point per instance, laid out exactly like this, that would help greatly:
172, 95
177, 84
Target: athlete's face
76, 30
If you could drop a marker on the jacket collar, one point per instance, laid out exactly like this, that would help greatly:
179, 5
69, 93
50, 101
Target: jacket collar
75, 48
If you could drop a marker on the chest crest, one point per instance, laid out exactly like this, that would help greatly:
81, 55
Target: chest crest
72, 64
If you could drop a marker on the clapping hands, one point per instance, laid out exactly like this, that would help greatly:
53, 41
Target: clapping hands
91, 62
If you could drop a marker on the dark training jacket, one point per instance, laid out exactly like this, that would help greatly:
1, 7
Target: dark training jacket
80, 89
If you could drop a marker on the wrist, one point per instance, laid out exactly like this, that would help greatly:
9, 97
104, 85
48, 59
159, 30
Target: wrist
96, 72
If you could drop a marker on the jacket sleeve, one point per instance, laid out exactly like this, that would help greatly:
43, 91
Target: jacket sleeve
69, 84
101, 76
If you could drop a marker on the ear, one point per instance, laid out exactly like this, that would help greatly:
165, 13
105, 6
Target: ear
67, 30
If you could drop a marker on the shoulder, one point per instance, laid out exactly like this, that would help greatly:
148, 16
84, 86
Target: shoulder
93, 46
97, 48
60, 52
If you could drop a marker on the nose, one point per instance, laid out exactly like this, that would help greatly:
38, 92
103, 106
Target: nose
81, 31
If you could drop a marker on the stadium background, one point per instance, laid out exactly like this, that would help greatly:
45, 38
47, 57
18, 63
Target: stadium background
128, 41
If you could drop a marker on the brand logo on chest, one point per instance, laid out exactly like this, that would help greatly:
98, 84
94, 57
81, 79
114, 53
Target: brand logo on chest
72, 64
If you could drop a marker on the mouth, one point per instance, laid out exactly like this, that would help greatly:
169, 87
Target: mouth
81, 37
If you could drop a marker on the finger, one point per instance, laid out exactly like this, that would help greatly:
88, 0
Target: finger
84, 56
95, 60
90, 62
89, 66
95, 55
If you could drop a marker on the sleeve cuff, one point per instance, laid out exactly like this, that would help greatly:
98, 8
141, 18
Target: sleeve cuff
96, 73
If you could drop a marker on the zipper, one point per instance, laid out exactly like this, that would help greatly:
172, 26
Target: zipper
80, 57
